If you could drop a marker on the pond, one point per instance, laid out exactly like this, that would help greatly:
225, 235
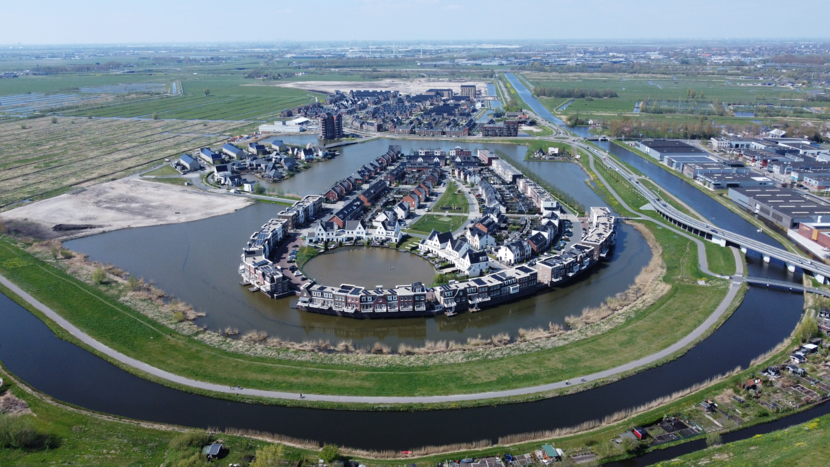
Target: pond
369, 267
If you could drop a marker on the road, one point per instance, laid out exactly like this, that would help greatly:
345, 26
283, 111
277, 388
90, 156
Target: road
703, 229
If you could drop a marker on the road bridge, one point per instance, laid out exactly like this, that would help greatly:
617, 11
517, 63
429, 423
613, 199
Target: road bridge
717, 235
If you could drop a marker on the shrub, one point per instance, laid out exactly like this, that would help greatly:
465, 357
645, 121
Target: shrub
133, 283
713, 439
66, 254
178, 316
54, 119
155, 116
189, 439
329, 453
269, 456
99, 276
17, 432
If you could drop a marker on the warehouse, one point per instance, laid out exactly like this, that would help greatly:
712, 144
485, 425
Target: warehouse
660, 148
783, 206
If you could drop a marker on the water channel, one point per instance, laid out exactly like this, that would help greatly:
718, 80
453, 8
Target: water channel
197, 263
31, 351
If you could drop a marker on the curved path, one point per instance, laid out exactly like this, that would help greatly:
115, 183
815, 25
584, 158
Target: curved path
183, 381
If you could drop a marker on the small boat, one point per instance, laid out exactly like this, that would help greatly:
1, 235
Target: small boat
759, 230
450, 313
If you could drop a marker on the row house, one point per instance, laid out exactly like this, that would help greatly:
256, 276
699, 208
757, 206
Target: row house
264, 275
480, 239
412, 200
351, 299
389, 231
352, 210
514, 252
302, 212
373, 192
394, 175
497, 287
459, 151
540, 197
263, 241
232, 151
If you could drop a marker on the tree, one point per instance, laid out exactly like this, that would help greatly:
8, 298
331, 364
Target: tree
99, 276
269, 456
806, 329
329, 453
207, 92
133, 283
630, 444
713, 439
155, 116
54, 119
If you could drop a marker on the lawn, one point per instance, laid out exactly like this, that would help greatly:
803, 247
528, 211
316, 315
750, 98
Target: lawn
430, 222
804, 444
166, 169
451, 201
83, 438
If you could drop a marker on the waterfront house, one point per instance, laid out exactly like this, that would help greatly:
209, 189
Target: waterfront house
325, 231
389, 231
289, 163
473, 263
436, 242
256, 149
249, 186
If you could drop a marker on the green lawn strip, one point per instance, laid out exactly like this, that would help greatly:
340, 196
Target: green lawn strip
535, 145
720, 260
804, 444
86, 437
127, 331
722, 199
161, 171
454, 202
179, 181
429, 222
669, 199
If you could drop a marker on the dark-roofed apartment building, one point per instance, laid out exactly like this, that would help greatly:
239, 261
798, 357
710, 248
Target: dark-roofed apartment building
331, 126
510, 128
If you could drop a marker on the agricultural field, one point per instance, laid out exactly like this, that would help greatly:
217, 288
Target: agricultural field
39, 159
230, 98
668, 94
440, 223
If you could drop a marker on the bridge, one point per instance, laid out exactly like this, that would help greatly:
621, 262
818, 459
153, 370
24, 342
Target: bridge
722, 237
781, 285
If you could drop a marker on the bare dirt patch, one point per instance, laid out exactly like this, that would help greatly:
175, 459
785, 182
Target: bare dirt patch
11, 405
124, 203
406, 86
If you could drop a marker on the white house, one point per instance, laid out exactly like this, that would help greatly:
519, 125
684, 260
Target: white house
436, 242
402, 210
385, 216
514, 252
249, 186
325, 231
473, 263
355, 229
389, 230
479, 240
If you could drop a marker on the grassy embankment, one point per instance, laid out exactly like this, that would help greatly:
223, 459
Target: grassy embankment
720, 260
98, 312
68, 436
451, 201
164, 170
722, 198
803, 444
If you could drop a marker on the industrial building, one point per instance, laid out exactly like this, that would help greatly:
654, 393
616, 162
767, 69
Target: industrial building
660, 148
783, 206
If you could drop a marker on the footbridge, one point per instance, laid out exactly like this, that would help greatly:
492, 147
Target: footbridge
760, 281
717, 235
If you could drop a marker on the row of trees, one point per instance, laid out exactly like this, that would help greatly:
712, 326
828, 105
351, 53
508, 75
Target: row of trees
637, 128
575, 93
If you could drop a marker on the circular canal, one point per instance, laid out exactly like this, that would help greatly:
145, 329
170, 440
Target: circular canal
369, 267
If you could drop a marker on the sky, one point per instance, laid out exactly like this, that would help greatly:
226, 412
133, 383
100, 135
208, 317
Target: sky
212, 21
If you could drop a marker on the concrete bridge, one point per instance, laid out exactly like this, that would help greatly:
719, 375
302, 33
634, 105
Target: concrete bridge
759, 281
722, 237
